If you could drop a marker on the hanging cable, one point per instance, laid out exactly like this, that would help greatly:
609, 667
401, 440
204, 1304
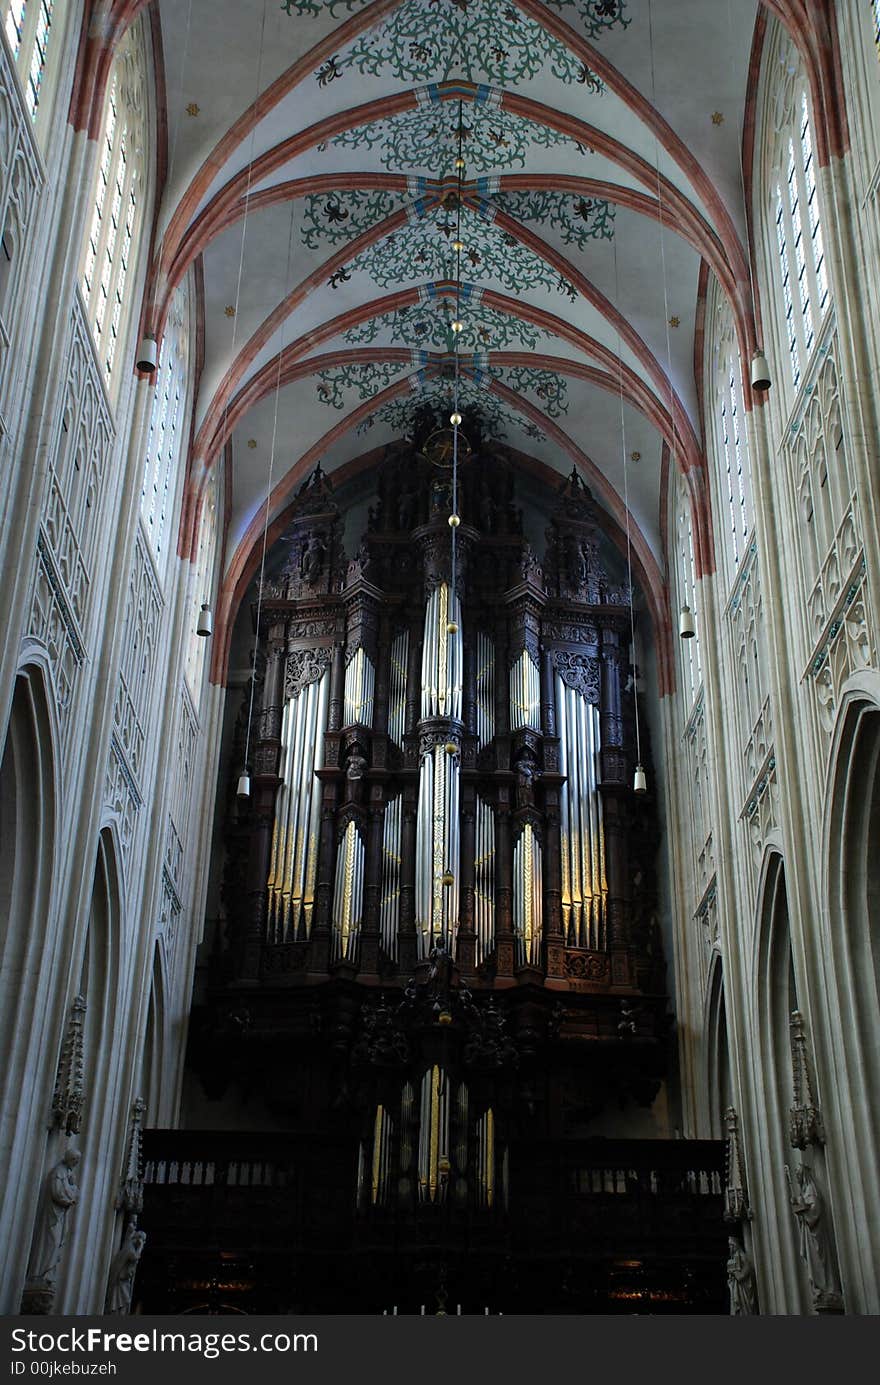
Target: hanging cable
640, 782
271, 468
687, 628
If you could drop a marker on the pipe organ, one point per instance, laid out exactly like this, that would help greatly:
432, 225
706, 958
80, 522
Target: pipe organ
442, 878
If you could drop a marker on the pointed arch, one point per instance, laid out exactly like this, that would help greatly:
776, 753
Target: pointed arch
718, 1071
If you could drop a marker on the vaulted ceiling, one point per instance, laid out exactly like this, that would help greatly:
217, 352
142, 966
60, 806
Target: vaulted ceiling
312, 148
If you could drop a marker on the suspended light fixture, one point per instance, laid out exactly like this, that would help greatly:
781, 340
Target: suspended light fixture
244, 784
206, 621
640, 780
760, 372
148, 354
686, 628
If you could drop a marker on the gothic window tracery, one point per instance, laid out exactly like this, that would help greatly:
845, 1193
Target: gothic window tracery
800, 272
731, 447
29, 26
687, 585
203, 584
166, 433
118, 196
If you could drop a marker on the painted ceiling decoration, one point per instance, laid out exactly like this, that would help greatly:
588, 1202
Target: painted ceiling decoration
423, 249
479, 407
426, 137
361, 379
595, 189
336, 217
427, 323
433, 40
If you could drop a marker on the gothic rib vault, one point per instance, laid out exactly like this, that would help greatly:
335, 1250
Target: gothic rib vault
316, 181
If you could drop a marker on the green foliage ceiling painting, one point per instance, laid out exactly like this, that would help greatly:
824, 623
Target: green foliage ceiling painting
426, 325
493, 45
426, 138
423, 250
477, 40
496, 417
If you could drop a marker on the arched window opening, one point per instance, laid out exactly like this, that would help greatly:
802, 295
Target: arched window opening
118, 196
27, 834
687, 587
731, 458
204, 585
167, 421
29, 25
854, 873
720, 1086
802, 274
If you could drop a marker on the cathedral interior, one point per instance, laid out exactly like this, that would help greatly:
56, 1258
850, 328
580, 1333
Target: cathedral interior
439, 668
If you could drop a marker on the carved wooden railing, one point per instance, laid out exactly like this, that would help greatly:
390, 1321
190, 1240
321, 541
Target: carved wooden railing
607, 1196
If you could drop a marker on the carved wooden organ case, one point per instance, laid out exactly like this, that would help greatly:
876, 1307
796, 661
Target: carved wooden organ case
442, 888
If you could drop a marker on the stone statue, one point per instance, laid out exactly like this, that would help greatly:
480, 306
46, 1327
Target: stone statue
808, 1205
60, 1194
741, 1281
123, 1269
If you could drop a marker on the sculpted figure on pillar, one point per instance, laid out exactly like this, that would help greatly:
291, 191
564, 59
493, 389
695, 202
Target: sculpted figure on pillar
808, 1206
60, 1194
123, 1269
741, 1281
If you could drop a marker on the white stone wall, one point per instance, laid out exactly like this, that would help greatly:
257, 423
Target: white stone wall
766, 853
108, 758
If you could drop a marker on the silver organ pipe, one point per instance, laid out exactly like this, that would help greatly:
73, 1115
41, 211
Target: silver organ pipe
294, 857
528, 896
348, 895
433, 1166
525, 693
485, 689
442, 656
437, 820
584, 885
360, 683
391, 863
397, 687
437, 851
484, 880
